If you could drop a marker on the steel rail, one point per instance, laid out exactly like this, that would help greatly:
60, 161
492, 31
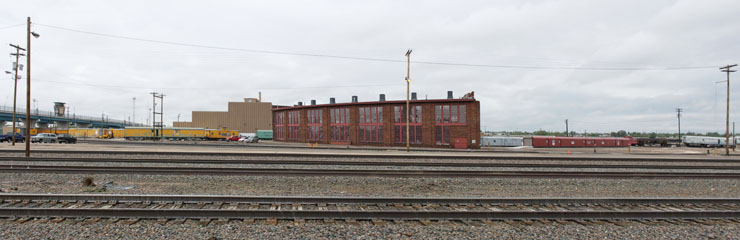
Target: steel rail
358, 172
370, 163
395, 156
351, 200
370, 214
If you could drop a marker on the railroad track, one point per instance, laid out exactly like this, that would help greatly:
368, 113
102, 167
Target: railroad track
29, 206
393, 156
361, 172
373, 163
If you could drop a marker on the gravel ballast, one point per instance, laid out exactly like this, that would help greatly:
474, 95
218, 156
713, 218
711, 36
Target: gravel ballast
450, 230
372, 186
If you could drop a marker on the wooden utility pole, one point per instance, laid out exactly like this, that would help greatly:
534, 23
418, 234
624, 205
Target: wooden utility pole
728, 70
17, 64
28, 85
408, 86
678, 111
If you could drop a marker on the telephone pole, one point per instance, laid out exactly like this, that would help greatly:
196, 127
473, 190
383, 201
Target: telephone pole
16, 65
408, 86
28, 85
728, 69
567, 133
678, 111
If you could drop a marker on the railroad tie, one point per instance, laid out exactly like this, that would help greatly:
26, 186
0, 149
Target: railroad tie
204, 222
163, 221
271, 221
90, 221
248, 221
377, 222
221, 221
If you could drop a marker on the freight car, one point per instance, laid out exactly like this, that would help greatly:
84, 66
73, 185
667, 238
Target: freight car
663, 142
501, 141
557, 142
702, 141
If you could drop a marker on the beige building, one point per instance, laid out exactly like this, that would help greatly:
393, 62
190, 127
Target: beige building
246, 117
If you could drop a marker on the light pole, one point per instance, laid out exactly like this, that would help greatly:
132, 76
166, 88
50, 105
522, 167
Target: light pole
28, 85
408, 86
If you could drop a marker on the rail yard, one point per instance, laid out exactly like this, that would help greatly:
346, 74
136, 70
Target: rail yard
231, 190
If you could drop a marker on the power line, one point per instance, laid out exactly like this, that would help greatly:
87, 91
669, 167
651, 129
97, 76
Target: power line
201, 88
12, 26
376, 59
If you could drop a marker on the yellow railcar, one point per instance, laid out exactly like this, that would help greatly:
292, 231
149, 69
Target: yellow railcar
220, 134
84, 132
147, 133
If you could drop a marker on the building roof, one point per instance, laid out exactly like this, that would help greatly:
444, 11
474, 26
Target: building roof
374, 103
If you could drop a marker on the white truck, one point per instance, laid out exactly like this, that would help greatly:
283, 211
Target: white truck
44, 138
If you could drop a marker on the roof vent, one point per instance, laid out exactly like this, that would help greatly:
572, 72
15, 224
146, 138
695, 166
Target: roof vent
449, 94
354, 99
332, 101
382, 98
313, 102
413, 96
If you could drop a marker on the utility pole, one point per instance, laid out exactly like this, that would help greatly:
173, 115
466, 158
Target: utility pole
408, 86
28, 86
734, 142
567, 133
678, 111
17, 65
728, 69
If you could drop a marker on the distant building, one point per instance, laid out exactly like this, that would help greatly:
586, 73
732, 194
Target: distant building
444, 123
248, 117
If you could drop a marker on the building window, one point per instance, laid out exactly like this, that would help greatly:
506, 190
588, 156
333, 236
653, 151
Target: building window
371, 124
339, 125
399, 124
294, 125
446, 116
315, 129
280, 126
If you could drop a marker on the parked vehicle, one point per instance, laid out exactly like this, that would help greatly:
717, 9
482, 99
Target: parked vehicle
44, 138
9, 137
233, 138
249, 139
66, 138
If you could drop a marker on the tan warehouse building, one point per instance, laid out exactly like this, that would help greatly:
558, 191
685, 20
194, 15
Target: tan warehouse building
246, 117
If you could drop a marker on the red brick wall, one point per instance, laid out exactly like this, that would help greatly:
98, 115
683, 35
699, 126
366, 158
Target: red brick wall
470, 131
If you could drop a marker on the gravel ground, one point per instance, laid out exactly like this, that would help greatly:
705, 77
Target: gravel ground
190, 230
373, 186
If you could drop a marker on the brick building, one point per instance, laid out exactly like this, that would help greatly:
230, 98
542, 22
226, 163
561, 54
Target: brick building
444, 123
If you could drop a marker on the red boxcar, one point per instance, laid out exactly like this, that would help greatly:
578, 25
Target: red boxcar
572, 142
555, 142
545, 141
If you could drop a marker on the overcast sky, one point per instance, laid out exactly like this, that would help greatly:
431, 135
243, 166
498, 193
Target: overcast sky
540, 62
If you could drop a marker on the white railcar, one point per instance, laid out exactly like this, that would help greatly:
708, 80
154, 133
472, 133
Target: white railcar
501, 141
